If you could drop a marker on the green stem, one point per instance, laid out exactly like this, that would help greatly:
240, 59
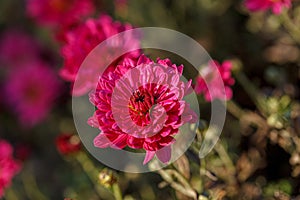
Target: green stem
186, 190
219, 148
10, 194
31, 187
289, 25
234, 109
117, 191
90, 170
202, 171
252, 91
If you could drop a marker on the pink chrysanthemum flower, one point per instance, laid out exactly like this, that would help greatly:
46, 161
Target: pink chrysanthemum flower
261, 5
31, 91
140, 105
13, 44
82, 40
59, 12
209, 76
9, 167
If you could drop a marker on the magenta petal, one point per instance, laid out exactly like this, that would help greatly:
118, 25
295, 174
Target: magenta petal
227, 65
5, 149
180, 69
143, 60
101, 141
120, 142
93, 121
277, 8
164, 154
92, 97
149, 156
135, 143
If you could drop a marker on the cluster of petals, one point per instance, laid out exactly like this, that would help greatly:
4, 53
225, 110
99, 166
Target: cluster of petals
140, 105
262, 5
215, 81
9, 167
59, 12
81, 40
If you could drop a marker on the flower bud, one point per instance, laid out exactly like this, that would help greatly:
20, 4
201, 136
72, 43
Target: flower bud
107, 178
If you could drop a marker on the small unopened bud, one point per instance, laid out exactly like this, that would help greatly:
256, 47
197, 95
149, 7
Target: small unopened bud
107, 178
237, 65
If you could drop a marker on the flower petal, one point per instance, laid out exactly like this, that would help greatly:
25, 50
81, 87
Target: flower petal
101, 141
164, 154
149, 156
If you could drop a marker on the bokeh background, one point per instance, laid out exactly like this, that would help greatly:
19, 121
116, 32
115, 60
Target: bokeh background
257, 156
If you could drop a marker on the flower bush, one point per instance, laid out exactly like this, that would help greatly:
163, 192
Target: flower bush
139, 101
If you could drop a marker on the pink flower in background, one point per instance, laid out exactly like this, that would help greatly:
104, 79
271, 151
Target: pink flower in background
9, 167
81, 40
261, 5
147, 109
31, 91
210, 78
59, 12
17, 48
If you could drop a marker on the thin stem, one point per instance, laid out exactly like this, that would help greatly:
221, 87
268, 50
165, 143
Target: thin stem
90, 170
289, 25
117, 191
202, 171
219, 148
202, 167
234, 109
10, 194
179, 177
31, 187
252, 91
188, 191
208, 174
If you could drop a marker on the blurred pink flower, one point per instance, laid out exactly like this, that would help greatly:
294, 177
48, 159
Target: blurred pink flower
210, 76
31, 91
59, 12
17, 48
140, 105
9, 167
262, 5
81, 40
